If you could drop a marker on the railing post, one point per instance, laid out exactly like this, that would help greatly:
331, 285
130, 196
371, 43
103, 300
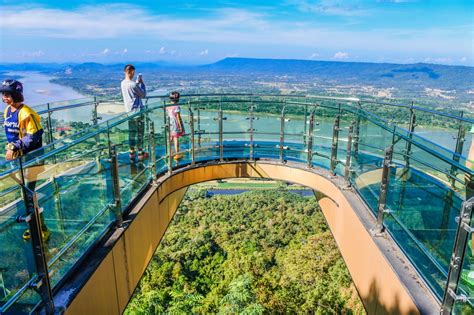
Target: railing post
49, 123
460, 139
152, 149
282, 132
167, 138
309, 141
95, 116
221, 127
43, 286
335, 140
457, 257
347, 169
191, 125
199, 124
305, 119
355, 136
251, 130
170, 154
411, 129
116, 185
381, 210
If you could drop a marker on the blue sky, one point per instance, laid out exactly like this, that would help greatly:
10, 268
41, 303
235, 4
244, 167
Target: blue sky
199, 32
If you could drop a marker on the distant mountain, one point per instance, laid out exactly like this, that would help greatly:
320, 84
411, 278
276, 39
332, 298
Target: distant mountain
384, 74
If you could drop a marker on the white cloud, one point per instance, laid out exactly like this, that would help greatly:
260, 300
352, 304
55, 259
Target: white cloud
125, 51
329, 7
232, 55
106, 51
32, 54
439, 60
227, 27
162, 50
314, 56
463, 59
341, 55
204, 52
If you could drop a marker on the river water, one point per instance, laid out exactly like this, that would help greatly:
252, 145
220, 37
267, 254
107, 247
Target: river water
39, 90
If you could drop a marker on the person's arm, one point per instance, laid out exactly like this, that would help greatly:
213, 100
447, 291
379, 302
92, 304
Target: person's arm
139, 89
32, 135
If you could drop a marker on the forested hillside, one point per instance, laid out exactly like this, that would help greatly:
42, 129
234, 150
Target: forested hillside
258, 252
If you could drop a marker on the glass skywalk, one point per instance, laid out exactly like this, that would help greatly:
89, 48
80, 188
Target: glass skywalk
85, 180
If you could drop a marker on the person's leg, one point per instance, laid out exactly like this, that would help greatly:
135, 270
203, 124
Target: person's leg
176, 144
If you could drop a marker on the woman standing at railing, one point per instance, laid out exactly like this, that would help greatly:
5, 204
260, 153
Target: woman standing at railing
132, 93
24, 134
176, 123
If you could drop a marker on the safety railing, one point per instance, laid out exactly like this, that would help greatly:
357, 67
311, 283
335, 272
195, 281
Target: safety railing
81, 186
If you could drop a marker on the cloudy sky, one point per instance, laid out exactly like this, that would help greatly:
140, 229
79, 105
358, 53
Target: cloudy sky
198, 32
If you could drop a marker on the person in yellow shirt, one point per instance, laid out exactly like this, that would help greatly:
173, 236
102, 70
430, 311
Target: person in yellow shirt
24, 134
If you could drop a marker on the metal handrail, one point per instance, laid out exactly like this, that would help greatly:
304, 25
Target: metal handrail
359, 112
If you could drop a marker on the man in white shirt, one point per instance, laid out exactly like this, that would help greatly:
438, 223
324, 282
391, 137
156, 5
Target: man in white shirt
132, 93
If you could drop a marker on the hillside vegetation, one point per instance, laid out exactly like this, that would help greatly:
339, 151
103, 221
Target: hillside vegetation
258, 252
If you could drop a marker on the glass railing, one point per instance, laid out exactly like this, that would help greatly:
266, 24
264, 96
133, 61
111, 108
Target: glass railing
86, 182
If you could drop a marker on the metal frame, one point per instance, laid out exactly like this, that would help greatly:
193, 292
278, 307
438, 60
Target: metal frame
334, 146
117, 206
42, 285
309, 140
381, 209
348, 164
411, 129
464, 229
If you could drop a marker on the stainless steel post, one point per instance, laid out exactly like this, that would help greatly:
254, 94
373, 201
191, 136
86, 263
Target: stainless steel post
460, 139
381, 207
220, 119
347, 170
334, 147
457, 258
191, 124
355, 136
282, 133
309, 141
50, 125
411, 129
152, 143
251, 130
170, 149
43, 286
116, 185
305, 120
